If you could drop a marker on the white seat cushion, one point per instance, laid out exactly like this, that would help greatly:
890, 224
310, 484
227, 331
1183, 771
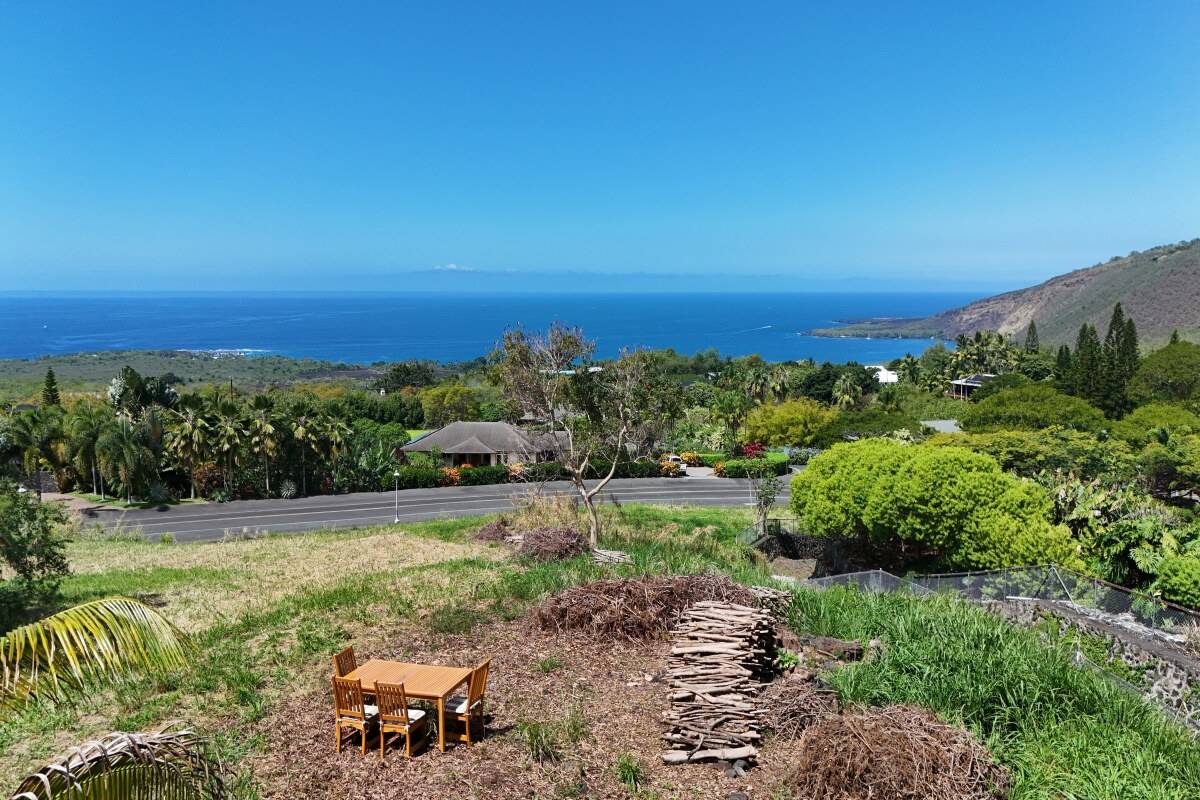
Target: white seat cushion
414, 716
371, 711
458, 705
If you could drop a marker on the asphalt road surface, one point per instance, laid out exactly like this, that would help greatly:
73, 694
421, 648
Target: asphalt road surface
212, 521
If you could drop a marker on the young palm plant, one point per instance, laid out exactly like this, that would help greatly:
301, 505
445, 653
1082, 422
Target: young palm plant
79, 647
174, 763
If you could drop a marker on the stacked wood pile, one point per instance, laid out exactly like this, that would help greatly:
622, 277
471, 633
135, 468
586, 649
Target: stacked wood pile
774, 600
720, 655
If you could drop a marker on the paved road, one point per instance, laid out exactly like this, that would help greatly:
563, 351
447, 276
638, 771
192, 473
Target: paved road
212, 521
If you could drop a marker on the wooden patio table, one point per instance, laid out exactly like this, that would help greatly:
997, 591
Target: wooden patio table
421, 682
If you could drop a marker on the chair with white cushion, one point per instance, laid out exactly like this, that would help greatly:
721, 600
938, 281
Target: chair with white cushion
396, 717
350, 711
466, 709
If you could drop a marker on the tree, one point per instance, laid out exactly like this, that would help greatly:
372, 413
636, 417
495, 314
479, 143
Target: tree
1169, 375
171, 763
1031, 407
451, 403
588, 414
228, 437
264, 438
405, 374
1064, 369
1087, 374
36, 434
123, 455
909, 369
187, 438
31, 549
1032, 345
846, 391
50, 395
1120, 362
86, 425
793, 423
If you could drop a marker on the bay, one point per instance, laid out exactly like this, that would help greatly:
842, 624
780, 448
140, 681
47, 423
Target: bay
366, 328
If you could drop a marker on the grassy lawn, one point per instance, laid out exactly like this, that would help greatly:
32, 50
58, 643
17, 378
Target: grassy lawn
267, 614
119, 502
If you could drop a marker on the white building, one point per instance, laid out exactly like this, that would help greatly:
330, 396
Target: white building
883, 374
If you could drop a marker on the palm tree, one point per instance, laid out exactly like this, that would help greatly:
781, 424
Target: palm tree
846, 391
173, 763
306, 432
757, 383
86, 425
780, 381
187, 438
36, 434
68, 652
264, 439
228, 436
123, 454
909, 368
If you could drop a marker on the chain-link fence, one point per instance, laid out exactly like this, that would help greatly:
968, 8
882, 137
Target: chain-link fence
1136, 640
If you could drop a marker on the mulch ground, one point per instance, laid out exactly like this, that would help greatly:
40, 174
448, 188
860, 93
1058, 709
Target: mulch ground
613, 684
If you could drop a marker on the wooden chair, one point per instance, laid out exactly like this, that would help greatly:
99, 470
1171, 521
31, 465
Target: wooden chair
344, 663
350, 711
396, 717
468, 708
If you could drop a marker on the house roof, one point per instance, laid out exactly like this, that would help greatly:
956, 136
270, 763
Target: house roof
977, 379
473, 437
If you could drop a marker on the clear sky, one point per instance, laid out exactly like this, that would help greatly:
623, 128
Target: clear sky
340, 145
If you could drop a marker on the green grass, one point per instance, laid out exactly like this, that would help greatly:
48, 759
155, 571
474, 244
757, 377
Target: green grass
1065, 732
629, 771
88, 586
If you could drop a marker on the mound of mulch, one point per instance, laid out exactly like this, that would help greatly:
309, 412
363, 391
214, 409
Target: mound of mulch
634, 608
552, 544
495, 531
795, 702
897, 752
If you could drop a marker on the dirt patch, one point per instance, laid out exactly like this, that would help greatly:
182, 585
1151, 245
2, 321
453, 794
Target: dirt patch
599, 700
898, 752
635, 608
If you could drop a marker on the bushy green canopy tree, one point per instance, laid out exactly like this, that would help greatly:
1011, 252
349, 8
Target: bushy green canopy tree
1169, 375
793, 423
1030, 408
1155, 421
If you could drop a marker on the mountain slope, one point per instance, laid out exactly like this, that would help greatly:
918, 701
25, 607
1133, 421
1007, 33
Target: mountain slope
1159, 288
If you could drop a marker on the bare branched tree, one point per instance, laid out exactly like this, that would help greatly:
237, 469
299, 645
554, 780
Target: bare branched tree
586, 413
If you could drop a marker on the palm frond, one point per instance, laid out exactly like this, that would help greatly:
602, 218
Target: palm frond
172, 764
102, 640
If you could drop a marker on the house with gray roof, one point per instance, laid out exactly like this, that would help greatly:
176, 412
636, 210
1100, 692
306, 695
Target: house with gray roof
483, 444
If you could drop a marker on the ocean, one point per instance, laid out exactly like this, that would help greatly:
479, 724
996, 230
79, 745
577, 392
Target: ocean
367, 328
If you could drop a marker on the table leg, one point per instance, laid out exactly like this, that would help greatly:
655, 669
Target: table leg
442, 724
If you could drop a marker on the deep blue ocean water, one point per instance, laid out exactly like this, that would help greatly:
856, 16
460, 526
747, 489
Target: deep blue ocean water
361, 328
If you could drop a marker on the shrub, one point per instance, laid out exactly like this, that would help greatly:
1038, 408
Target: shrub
483, 476
831, 493
537, 473
1179, 580
771, 463
450, 475
669, 469
691, 458
419, 477
625, 469
288, 489
1031, 407
788, 424
753, 450
712, 459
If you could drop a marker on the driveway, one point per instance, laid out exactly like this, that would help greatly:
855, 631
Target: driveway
213, 521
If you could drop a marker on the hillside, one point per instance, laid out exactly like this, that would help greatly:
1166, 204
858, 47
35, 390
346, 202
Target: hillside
1159, 288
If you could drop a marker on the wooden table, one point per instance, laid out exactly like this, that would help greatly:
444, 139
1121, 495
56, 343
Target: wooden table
421, 682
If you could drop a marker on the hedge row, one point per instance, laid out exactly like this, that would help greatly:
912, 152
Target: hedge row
483, 476
777, 463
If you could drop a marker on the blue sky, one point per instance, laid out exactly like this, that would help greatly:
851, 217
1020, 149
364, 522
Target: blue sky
317, 146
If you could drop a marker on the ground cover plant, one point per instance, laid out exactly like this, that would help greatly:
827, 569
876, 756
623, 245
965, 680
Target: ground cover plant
267, 613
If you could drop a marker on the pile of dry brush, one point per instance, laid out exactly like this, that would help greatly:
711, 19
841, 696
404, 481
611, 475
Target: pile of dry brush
795, 702
897, 752
497, 531
634, 608
552, 544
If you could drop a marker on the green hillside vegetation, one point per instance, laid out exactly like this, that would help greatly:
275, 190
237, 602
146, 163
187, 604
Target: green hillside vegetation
1159, 286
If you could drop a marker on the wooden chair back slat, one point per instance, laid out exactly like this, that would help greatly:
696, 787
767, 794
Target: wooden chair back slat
344, 663
348, 698
392, 702
478, 683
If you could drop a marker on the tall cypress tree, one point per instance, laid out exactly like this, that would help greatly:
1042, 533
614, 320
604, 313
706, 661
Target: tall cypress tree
1113, 379
1032, 345
50, 395
1087, 373
1130, 357
1064, 369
